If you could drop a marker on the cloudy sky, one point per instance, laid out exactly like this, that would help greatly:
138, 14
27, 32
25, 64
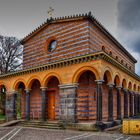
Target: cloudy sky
120, 17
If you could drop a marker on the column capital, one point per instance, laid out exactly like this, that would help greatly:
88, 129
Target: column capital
14, 92
110, 85
125, 89
43, 88
27, 90
99, 81
119, 87
65, 86
131, 92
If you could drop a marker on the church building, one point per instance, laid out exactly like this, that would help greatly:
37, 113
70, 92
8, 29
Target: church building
75, 71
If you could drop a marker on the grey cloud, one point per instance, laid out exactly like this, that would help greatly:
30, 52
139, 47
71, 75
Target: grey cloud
128, 25
136, 45
129, 14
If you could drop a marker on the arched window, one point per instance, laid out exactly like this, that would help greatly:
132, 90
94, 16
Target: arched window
110, 52
103, 48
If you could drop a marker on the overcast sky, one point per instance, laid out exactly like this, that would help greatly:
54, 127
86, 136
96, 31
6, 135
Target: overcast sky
120, 17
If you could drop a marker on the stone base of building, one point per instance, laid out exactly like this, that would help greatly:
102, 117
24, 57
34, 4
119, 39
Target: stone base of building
82, 126
92, 126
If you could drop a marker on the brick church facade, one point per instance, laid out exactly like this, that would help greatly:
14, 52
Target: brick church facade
74, 70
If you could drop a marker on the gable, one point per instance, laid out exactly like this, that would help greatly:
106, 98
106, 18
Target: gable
72, 40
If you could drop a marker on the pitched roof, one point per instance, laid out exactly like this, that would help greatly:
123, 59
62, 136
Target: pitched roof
77, 17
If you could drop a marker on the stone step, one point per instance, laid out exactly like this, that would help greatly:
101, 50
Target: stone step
42, 126
38, 124
41, 123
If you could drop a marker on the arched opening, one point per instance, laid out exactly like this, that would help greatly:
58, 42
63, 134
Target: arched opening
124, 85
107, 79
2, 100
130, 86
123, 96
53, 99
117, 80
138, 88
115, 96
134, 87
35, 100
130, 100
86, 97
20, 100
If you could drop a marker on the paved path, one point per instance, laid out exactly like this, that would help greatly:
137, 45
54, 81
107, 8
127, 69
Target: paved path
22, 133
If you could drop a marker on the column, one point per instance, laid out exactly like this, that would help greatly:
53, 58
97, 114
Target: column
125, 103
110, 103
131, 103
68, 93
27, 91
99, 101
119, 115
44, 103
135, 104
15, 105
10, 106
139, 102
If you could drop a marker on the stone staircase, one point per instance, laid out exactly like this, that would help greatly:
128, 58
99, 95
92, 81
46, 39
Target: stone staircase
40, 124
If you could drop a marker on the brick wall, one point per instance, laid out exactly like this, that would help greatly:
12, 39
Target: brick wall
114, 103
105, 102
98, 39
72, 39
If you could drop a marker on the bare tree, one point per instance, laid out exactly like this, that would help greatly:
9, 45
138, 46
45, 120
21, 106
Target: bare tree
10, 54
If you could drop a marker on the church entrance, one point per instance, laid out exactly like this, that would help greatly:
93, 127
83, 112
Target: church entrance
53, 99
51, 105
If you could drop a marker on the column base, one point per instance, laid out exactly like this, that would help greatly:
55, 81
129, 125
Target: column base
100, 125
119, 118
110, 120
126, 117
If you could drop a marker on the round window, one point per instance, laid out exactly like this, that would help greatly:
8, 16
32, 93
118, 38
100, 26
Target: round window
52, 45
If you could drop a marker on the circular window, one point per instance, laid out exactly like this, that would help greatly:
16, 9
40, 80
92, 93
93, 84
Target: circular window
52, 45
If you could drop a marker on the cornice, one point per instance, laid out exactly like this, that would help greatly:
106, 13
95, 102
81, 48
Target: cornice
76, 60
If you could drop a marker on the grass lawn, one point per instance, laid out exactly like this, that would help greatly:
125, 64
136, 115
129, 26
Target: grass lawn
2, 117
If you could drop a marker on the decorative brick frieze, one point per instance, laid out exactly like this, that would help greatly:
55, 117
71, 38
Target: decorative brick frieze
71, 61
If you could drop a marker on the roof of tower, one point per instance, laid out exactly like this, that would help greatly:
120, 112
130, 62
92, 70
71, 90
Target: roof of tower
77, 17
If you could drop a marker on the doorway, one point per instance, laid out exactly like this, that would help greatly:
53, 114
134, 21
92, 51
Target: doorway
51, 105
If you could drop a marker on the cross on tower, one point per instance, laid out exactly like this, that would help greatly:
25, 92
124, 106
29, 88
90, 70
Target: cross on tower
50, 12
